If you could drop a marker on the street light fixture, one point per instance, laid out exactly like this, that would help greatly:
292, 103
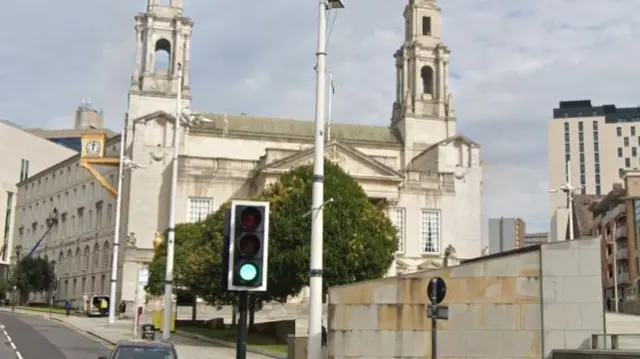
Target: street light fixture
317, 208
183, 116
569, 190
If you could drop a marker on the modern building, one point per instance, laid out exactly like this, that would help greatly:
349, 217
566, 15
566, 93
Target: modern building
532, 239
617, 222
23, 154
599, 142
418, 163
506, 234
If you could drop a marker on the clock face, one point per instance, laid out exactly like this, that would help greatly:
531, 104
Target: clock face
93, 148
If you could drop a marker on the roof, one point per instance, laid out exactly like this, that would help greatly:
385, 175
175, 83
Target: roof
145, 343
246, 126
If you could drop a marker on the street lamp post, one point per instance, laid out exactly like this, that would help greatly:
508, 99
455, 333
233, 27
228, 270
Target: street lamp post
182, 114
15, 278
568, 189
315, 270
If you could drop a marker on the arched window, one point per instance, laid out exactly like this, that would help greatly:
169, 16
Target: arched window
107, 255
69, 263
78, 260
96, 256
61, 263
426, 73
87, 257
162, 56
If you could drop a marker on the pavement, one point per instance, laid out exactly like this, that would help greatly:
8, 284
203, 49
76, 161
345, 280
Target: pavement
104, 335
35, 337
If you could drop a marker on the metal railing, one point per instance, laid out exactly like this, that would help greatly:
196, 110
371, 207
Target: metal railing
615, 341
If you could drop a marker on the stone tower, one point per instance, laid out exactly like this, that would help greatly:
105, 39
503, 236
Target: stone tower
163, 40
423, 110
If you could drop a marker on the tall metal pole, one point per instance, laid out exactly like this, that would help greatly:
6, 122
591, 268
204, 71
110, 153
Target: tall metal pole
116, 234
243, 309
570, 200
615, 266
315, 272
329, 107
171, 231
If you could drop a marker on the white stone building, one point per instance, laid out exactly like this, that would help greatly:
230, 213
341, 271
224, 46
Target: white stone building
431, 175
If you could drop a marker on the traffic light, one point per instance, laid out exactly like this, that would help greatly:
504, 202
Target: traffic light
248, 246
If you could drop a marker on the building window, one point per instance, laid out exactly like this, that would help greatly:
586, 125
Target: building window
627, 162
426, 26
626, 141
199, 208
99, 215
24, 170
109, 215
634, 153
430, 231
619, 131
398, 219
619, 152
633, 130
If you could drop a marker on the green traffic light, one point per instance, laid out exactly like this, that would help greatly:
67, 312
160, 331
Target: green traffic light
248, 272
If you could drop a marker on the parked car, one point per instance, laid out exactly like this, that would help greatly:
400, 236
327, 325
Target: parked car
142, 349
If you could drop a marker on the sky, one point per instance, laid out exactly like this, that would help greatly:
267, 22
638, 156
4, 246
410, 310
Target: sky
511, 62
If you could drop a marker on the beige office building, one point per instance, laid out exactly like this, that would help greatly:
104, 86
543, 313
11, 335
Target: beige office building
599, 142
23, 154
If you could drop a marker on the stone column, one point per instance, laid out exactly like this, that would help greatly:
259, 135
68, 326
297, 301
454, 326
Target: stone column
150, 47
441, 76
398, 81
187, 58
446, 78
139, 53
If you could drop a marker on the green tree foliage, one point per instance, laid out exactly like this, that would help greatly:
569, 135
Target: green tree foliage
189, 260
33, 275
359, 239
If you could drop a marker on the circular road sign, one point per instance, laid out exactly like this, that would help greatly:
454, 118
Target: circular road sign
436, 290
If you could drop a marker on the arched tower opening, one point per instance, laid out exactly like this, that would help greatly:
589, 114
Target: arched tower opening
426, 73
162, 56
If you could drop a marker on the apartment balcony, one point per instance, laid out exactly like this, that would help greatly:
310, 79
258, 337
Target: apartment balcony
621, 232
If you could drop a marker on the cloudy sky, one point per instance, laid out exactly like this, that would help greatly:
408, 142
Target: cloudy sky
512, 62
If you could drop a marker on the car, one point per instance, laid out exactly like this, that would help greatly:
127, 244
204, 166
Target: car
142, 349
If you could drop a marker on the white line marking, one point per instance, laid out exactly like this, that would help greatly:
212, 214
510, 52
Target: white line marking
10, 341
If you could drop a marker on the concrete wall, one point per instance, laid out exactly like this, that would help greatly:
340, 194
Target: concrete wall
518, 304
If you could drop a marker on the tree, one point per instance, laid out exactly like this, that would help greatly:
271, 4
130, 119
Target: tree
189, 258
33, 275
359, 239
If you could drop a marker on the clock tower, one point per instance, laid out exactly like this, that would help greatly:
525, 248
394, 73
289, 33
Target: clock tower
163, 40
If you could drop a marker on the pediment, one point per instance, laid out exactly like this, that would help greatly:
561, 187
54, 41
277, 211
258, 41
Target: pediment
354, 162
155, 116
429, 264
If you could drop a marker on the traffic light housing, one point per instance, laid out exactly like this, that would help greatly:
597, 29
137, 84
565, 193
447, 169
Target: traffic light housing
248, 246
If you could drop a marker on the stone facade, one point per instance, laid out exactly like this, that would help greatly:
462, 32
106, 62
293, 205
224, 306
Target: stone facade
518, 304
430, 175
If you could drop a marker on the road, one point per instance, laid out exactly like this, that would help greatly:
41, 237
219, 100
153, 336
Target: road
33, 337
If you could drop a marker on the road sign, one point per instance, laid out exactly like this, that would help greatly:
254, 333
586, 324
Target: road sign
436, 290
143, 276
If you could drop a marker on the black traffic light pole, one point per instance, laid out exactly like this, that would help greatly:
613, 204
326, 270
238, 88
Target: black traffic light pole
243, 309
434, 323
436, 291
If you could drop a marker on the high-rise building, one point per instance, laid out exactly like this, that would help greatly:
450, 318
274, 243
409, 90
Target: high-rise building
599, 142
506, 234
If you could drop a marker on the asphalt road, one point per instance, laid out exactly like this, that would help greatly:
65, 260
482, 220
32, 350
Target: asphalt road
37, 338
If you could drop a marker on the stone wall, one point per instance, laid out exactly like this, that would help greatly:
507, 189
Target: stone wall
497, 307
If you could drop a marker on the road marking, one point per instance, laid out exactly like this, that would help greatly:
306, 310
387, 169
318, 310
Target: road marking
10, 341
